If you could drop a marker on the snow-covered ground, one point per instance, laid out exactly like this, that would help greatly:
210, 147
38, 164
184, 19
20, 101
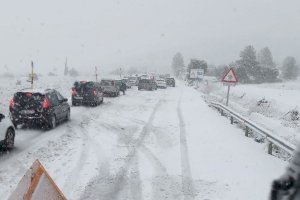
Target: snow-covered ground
164, 144
274, 114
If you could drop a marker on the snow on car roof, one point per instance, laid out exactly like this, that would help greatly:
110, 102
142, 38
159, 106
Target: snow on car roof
35, 90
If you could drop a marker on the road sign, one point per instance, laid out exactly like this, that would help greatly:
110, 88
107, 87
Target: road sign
37, 184
196, 73
230, 77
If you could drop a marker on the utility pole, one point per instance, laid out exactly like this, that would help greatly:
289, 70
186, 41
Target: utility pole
96, 73
66, 71
120, 73
32, 74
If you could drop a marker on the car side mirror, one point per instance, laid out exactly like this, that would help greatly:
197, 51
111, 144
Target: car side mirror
1, 117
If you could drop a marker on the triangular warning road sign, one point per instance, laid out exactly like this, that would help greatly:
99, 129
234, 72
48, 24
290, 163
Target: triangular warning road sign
230, 77
36, 184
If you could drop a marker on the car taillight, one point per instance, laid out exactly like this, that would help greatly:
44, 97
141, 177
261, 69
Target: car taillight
46, 103
94, 92
28, 94
11, 103
74, 92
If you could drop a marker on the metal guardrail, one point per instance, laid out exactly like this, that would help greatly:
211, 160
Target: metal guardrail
272, 139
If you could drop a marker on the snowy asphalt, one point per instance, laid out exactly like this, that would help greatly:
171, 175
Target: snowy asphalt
165, 144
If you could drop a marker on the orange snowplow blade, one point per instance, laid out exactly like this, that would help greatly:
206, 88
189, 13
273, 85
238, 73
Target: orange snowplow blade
36, 184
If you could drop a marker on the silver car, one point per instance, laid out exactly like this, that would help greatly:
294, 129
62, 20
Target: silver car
7, 132
110, 87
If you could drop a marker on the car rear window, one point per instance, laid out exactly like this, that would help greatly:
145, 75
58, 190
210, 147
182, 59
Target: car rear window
84, 85
107, 83
28, 98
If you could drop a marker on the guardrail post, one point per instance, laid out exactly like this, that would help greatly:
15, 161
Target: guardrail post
222, 112
247, 131
270, 147
231, 119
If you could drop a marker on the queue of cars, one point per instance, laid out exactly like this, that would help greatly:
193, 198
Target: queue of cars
47, 108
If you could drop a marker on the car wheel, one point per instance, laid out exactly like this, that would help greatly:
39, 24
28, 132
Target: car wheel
74, 104
52, 122
10, 138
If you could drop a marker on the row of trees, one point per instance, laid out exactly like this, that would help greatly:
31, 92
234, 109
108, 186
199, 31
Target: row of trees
179, 69
260, 67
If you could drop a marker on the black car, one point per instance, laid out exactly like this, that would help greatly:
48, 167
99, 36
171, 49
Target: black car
42, 108
89, 93
170, 82
147, 84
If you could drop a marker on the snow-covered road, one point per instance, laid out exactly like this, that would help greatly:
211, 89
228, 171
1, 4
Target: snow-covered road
165, 144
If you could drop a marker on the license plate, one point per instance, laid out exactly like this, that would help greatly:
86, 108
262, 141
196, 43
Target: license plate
78, 98
27, 112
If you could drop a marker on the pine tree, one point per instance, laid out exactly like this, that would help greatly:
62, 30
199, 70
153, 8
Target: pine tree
269, 72
290, 70
265, 58
249, 64
73, 72
178, 64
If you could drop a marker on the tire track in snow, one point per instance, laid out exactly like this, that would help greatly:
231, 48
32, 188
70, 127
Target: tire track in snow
159, 167
72, 179
86, 144
116, 183
187, 181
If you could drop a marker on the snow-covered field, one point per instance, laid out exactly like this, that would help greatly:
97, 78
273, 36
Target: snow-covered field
279, 100
164, 144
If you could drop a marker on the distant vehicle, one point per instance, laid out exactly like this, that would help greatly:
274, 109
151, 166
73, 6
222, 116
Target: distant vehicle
170, 82
122, 85
7, 132
164, 76
147, 84
126, 81
110, 87
144, 76
161, 83
88, 93
43, 108
134, 81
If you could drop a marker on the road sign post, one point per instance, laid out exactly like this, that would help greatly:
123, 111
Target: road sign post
229, 79
228, 91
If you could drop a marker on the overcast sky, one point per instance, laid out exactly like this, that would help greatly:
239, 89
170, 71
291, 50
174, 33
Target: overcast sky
120, 33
